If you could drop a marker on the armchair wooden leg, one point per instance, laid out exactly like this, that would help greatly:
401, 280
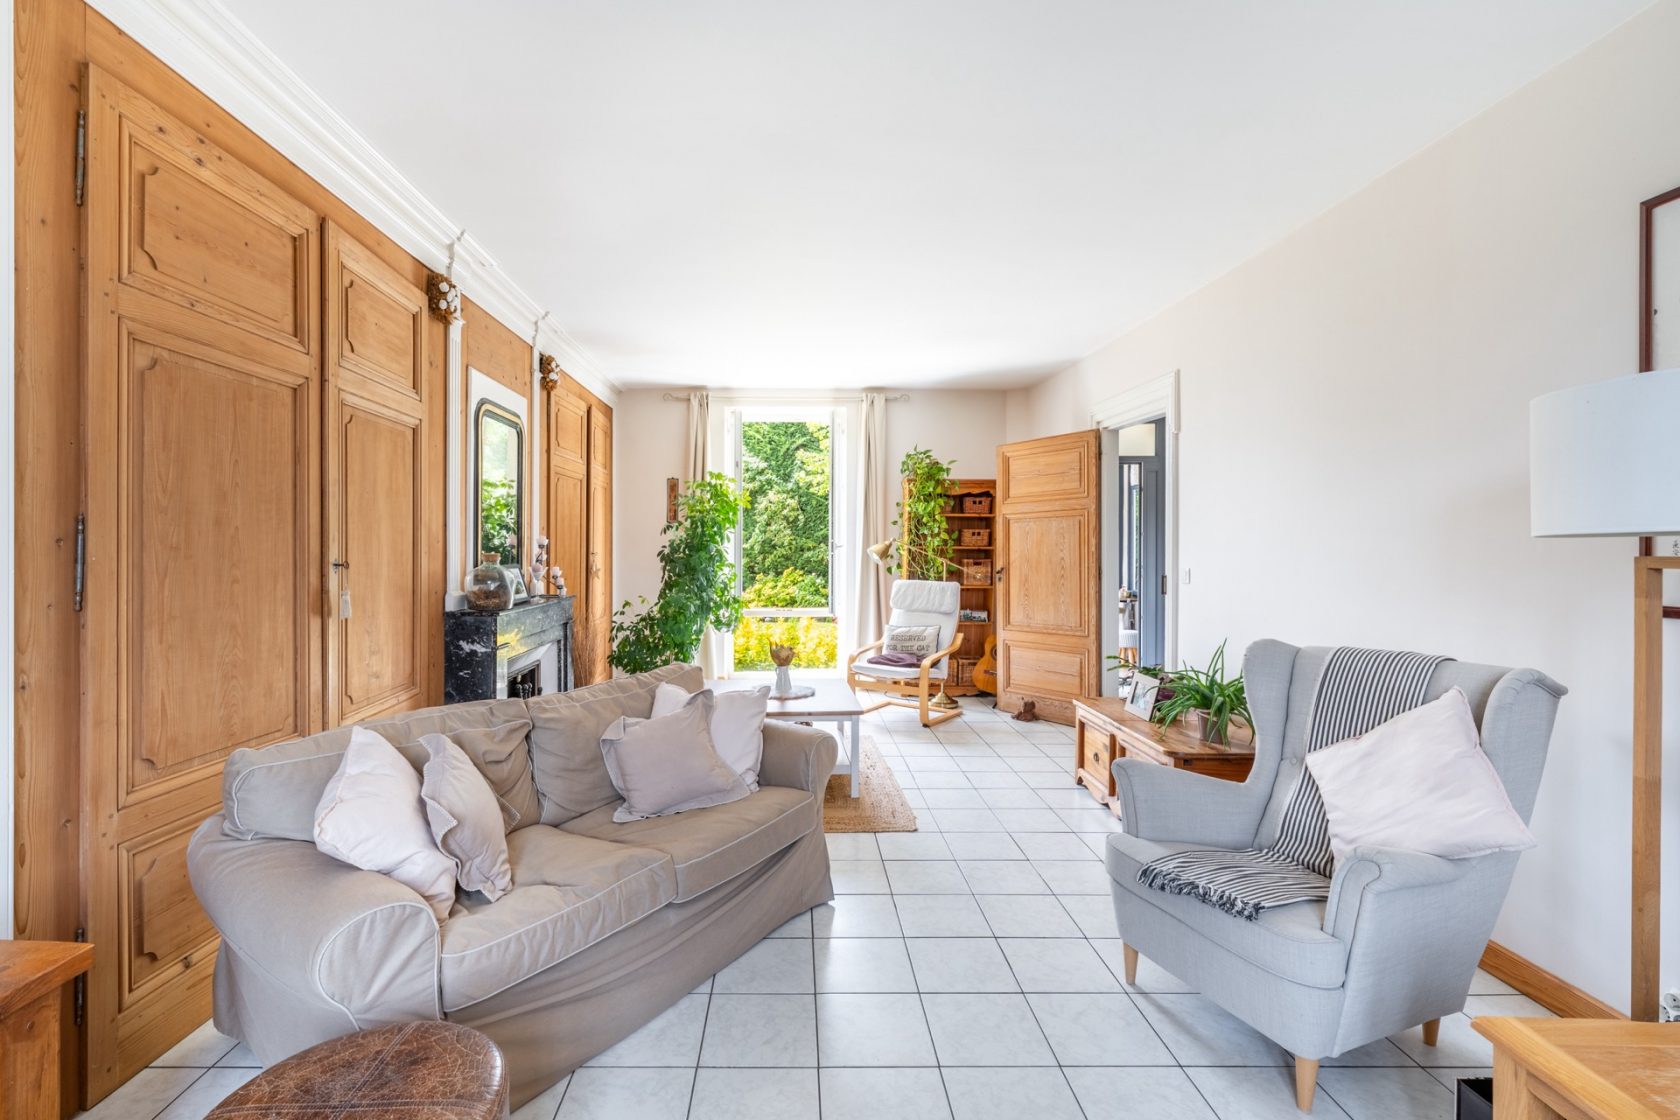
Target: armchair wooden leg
1131, 958
1306, 1082
1431, 1032
924, 703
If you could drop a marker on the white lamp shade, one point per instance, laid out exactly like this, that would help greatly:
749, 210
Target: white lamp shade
1604, 458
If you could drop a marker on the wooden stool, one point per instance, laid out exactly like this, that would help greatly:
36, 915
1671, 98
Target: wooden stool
439, 1071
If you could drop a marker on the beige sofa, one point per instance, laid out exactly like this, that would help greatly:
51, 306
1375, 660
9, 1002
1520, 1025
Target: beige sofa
607, 925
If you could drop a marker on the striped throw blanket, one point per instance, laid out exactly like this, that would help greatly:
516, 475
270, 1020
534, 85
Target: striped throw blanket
1359, 689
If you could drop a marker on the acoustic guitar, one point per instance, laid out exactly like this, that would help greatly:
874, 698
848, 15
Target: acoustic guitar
985, 670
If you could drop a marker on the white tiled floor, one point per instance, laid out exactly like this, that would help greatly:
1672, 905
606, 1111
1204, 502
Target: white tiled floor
968, 971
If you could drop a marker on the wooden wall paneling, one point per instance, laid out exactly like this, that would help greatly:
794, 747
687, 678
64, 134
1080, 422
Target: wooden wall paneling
203, 490
49, 43
567, 498
600, 604
380, 516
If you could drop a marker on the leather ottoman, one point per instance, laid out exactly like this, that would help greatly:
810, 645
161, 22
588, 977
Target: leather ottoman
412, 1071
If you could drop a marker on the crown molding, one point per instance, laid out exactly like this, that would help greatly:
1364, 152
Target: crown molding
203, 42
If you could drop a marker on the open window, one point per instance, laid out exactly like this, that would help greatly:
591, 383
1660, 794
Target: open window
785, 545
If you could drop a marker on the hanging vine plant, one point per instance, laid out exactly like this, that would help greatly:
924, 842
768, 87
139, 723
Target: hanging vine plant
925, 539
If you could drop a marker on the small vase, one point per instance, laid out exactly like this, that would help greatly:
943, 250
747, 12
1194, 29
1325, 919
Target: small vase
784, 681
489, 586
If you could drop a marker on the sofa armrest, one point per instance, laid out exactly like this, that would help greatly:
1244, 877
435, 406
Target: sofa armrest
337, 940
1162, 803
797, 757
1372, 872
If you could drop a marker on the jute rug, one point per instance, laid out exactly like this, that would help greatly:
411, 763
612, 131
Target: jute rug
879, 806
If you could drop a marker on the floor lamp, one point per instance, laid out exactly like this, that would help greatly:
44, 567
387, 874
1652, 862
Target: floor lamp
1604, 461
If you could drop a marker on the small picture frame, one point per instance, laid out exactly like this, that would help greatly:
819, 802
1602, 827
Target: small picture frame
1140, 701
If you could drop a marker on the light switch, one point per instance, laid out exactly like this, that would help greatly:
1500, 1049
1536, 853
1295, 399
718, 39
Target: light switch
1186, 578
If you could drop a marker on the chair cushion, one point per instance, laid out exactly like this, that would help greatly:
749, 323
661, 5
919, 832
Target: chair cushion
711, 846
927, 602
865, 668
1287, 941
569, 891
566, 730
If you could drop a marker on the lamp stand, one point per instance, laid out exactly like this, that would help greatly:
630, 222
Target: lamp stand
1648, 615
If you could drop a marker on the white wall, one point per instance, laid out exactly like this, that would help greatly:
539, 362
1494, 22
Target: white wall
651, 434
1354, 443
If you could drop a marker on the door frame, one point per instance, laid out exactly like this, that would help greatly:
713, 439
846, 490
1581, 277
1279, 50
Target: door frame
1156, 399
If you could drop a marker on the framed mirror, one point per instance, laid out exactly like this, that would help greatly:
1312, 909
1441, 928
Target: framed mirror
498, 482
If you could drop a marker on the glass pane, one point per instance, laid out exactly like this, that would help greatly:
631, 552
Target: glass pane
785, 469
499, 461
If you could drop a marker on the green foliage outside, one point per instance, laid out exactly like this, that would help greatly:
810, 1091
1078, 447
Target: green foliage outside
498, 519
925, 539
785, 466
696, 587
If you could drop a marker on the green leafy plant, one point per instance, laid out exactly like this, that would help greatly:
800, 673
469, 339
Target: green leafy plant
696, 586
925, 539
499, 518
1207, 691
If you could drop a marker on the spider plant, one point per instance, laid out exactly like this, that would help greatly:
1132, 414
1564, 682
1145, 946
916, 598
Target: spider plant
1208, 693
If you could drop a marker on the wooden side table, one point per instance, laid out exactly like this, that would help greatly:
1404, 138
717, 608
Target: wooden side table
1103, 730
1583, 1069
31, 974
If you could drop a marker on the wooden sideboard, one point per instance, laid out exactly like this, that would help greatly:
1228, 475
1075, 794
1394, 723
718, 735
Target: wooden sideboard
31, 976
1583, 1069
1103, 730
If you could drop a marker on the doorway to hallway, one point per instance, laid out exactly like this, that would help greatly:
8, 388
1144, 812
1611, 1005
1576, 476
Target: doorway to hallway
1142, 572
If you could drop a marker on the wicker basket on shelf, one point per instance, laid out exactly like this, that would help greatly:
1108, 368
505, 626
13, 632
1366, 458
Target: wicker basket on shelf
974, 538
977, 573
977, 504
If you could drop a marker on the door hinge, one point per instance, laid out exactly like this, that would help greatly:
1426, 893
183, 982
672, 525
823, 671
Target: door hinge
81, 155
81, 558
79, 989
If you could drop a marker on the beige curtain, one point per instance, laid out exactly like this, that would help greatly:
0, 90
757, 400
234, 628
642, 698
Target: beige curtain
875, 509
712, 662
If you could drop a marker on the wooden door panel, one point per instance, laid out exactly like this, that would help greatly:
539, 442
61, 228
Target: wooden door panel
381, 328
203, 488
380, 520
568, 539
568, 420
383, 461
166, 930
209, 235
1049, 522
214, 568
1049, 593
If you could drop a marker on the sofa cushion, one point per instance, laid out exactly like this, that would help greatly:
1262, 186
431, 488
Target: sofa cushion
711, 846
566, 730
569, 891
272, 791
1287, 941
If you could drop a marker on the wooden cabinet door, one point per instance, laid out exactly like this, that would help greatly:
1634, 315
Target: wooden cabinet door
203, 537
380, 516
600, 605
567, 516
1049, 534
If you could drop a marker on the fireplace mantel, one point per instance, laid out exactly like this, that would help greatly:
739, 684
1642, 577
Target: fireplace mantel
483, 649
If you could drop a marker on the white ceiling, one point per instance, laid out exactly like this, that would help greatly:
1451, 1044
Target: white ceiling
769, 193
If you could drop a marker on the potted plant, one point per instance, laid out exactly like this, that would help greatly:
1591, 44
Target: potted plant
696, 586
1205, 699
925, 539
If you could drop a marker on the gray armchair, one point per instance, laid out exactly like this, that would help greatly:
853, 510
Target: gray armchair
1399, 939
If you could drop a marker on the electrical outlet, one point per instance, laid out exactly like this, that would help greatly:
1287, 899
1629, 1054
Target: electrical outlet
1186, 578
1670, 1012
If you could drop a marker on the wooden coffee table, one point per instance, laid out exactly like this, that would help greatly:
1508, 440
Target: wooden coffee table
833, 703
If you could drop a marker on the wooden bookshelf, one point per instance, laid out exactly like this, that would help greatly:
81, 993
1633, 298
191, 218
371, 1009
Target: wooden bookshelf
978, 578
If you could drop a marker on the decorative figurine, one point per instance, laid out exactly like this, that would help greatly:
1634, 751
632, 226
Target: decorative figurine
784, 688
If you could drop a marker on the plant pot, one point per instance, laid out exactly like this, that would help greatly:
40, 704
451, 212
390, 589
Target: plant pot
1203, 726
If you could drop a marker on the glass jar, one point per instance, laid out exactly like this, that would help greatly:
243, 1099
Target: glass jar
489, 586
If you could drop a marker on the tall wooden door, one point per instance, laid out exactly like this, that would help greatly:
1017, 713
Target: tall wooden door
380, 515
600, 605
567, 496
202, 632
1049, 598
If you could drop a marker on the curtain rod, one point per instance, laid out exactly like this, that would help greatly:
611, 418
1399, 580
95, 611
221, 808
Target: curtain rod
772, 397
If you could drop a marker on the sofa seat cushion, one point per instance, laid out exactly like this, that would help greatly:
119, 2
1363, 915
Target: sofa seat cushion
1287, 941
713, 845
569, 891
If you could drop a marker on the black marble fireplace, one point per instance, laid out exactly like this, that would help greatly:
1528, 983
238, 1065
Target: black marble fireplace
522, 651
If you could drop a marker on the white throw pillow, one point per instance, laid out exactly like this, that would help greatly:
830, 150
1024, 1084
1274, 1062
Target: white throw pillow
465, 818
667, 765
1419, 782
370, 816
737, 724
918, 641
